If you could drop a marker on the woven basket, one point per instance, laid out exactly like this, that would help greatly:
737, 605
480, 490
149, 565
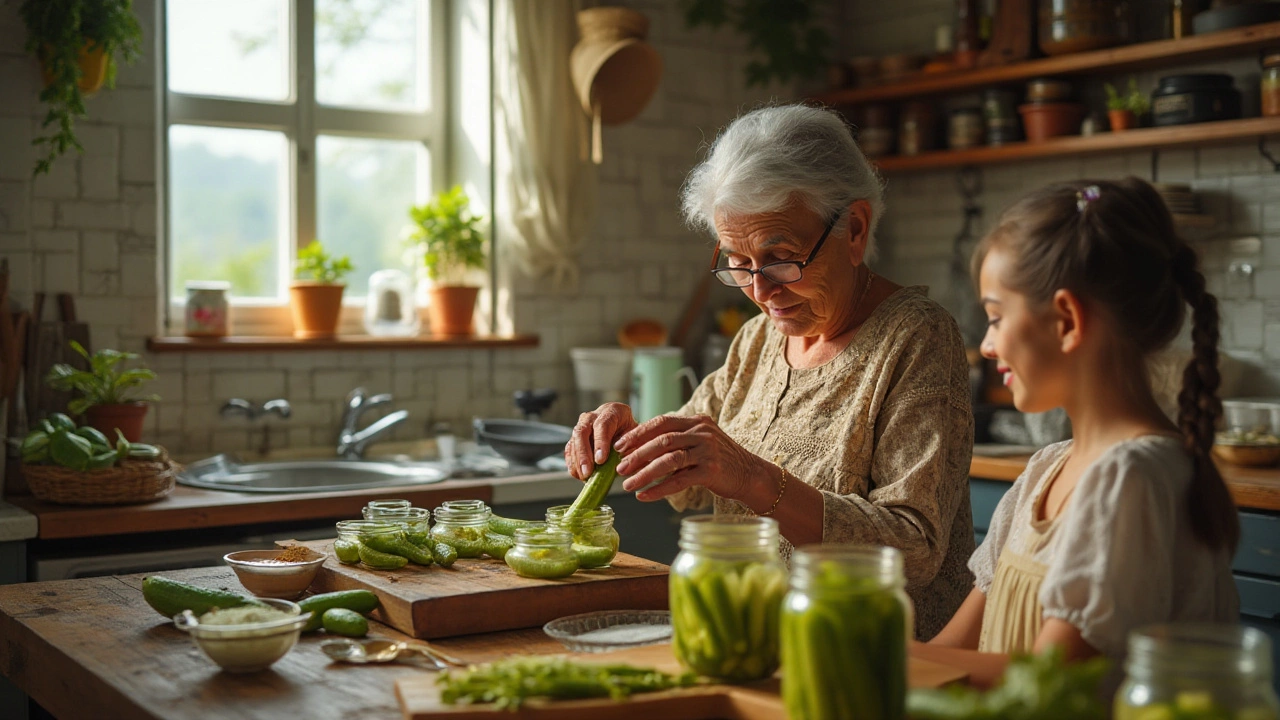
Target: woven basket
132, 481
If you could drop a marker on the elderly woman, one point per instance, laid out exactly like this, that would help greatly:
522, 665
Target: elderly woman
843, 409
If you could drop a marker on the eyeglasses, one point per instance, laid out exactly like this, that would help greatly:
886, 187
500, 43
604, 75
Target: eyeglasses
782, 273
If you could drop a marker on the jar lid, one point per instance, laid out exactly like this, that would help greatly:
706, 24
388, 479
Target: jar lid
208, 285
1193, 81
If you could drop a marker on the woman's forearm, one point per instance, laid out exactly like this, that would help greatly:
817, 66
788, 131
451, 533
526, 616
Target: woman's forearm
799, 508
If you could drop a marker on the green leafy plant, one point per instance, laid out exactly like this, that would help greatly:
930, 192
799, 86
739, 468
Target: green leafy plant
785, 32
1134, 100
57, 32
448, 237
316, 264
104, 383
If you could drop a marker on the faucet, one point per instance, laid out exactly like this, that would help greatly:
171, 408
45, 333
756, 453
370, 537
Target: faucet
253, 411
352, 444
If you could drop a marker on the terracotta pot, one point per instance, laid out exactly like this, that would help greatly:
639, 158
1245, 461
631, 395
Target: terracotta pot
316, 308
452, 309
1042, 121
127, 417
93, 69
1122, 120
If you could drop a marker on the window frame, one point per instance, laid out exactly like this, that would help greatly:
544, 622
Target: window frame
302, 119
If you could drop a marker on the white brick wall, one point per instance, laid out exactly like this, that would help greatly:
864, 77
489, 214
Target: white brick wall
1237, 186
89, 227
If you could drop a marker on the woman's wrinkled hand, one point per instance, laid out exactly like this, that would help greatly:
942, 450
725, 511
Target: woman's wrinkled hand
593, 437
686, 451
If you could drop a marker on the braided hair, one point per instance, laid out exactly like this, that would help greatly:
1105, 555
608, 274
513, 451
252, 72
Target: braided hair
1114, 244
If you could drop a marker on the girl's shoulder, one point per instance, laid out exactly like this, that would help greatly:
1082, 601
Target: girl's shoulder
1154, 467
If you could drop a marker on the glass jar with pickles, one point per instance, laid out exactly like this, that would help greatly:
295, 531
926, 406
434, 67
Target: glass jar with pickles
1198, 672
845, 624
542, 552
726, 588
351, 533
595, 541
384, 508
462, 525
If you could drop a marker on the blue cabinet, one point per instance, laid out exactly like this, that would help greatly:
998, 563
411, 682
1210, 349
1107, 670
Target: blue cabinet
1256, 565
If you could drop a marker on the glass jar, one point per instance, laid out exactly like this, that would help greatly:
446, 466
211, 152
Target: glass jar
846, 621
1270, 84
594, 531
917, 130
385, 508
206, 312
964, 129
1197, 672
389, 308
462, 524
726, 588
542, 552
415, 522
1070, 26
351, 533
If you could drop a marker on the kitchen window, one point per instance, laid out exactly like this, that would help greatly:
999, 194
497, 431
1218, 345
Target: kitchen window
293, 120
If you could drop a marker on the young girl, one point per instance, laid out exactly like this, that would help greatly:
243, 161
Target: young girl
1129, 523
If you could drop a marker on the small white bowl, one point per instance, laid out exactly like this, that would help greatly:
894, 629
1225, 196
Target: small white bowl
286, 581
246, 648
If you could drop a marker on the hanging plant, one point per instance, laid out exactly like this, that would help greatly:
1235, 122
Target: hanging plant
784, 32
74, 41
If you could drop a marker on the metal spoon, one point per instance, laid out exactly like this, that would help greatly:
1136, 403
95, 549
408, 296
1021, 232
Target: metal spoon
376, 651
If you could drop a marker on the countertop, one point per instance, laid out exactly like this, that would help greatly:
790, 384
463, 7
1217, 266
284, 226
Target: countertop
188, 508
16, 523
91, 648
1253, 488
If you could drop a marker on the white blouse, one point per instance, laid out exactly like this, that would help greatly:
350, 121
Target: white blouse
1124, 555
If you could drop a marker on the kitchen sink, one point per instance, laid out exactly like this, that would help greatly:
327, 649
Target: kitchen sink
225, 472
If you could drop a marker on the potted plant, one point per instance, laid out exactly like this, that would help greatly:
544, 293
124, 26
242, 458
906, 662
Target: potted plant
451, 244
77, 42
106, 391
1124, 111
315, 297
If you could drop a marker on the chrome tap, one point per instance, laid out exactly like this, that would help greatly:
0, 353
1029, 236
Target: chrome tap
352, 444
253, 411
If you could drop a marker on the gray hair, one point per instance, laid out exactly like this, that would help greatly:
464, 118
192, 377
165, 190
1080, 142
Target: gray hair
773, 156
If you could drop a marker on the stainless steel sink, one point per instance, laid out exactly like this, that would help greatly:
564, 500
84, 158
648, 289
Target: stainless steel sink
225, 472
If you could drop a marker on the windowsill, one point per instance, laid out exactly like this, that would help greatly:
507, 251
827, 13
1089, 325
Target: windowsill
267, 343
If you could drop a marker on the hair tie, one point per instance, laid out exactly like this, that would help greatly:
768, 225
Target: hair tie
1087, 195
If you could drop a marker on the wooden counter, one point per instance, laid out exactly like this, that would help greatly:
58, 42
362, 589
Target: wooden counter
1254, 488
93, 649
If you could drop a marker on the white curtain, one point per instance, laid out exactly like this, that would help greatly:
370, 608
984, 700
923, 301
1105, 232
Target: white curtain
545, 184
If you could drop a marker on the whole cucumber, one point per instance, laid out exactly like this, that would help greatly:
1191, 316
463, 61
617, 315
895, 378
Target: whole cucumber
170, 597
361, 601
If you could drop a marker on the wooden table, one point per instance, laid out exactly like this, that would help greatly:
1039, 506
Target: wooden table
93, 649
1254, 488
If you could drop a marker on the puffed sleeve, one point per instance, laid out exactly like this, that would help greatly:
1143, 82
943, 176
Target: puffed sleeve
983, 561
1112, 567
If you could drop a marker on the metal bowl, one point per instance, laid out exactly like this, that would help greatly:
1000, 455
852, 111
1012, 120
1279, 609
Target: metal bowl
521, 441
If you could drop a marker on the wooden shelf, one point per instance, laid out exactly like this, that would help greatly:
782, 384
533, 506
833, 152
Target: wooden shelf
1140, 139
245, 343
1162, 53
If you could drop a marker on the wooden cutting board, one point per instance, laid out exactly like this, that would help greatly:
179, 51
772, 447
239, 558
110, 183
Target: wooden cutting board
484, 595
420, 698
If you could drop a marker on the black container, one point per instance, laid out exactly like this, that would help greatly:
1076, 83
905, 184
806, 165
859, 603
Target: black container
1194, 98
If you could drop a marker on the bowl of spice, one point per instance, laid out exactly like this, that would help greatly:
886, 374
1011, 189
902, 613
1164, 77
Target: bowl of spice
283, 574
246, 638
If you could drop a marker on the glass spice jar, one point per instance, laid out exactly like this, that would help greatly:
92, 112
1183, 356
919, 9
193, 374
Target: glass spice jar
462, 524
964, 129
917, 128
593, 530
726, 587
1197, 672
1270, 84
846, 619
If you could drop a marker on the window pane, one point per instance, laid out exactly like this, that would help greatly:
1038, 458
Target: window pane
229, 48
372, 53
365, 188
227, 208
